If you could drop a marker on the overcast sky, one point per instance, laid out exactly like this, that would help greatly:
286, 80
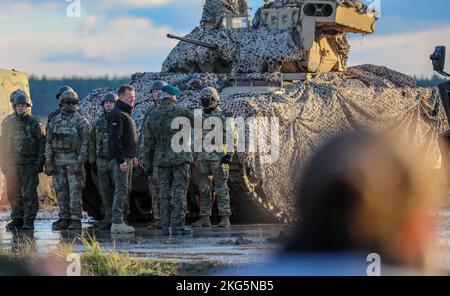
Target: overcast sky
121, 37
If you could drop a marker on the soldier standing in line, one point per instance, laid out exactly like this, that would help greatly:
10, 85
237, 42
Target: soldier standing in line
153, 182
56, 112
58, 95
22, 159
173, 167
214, 164
101, 161
66, 151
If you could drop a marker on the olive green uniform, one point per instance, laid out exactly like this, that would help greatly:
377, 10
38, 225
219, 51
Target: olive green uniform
98, 154
153, 181
173, 167
210, 164
22, 159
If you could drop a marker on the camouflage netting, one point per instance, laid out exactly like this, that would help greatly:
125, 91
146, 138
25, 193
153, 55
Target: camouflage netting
213, 10
309, 112
237, 47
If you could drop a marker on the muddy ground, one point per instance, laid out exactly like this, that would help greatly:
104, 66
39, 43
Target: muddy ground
238, 246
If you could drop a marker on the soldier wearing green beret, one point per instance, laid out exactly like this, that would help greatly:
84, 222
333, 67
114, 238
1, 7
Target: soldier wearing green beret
173, 167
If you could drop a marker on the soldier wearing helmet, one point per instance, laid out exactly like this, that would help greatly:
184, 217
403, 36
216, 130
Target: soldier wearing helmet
100, 159
58, 94
214, 163
153, 182
22, 159
66, 151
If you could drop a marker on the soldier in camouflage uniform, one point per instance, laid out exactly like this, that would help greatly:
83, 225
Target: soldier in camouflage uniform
66, 151
153, 182
58, 94
22, 159
173, 167
101, 161
56, 112
12, 97
214, 164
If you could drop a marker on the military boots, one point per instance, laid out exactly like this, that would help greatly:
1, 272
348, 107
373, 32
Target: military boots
181, 231
75, 225
202, 222
28, 225
225, 222
121, 228
61, 224
14, 225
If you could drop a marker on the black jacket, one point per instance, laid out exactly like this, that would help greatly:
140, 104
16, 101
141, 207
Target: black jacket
122, 133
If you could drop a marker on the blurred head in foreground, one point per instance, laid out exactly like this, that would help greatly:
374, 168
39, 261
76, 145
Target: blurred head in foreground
363, 192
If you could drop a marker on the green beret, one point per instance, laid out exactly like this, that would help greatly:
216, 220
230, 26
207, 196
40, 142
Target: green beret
175, 91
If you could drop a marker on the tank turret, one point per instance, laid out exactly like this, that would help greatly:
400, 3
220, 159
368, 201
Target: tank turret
287, 36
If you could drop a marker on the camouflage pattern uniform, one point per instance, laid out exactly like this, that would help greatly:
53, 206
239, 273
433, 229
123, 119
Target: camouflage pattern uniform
66, 151
214, 163
98, 154
173, 168
22, 159
153, 182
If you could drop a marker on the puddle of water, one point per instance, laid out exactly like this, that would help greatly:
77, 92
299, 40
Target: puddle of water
245, 244
212, 245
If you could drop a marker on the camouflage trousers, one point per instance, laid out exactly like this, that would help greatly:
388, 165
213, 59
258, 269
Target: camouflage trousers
106, 189
122, 188
69, 181
173, 181
219, 173
153, 188
21, 190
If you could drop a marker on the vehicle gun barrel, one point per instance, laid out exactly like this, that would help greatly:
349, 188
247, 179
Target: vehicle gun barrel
208, 45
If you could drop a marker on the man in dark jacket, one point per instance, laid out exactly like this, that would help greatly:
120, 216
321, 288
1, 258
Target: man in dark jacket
123, 148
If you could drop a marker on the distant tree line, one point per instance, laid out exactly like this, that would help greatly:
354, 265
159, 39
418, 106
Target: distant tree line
429, 82
43, 90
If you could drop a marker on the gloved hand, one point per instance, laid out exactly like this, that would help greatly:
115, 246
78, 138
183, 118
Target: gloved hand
226, 159
149, 172
38, 168
49, 169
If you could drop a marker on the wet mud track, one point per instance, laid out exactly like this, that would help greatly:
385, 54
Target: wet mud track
242, 244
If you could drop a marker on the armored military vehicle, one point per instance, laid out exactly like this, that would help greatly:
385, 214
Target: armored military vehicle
285, 75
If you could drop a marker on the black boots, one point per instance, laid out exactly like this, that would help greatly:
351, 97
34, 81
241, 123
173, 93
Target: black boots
28, 224
15, 224
75, 225
61, 224
181, 230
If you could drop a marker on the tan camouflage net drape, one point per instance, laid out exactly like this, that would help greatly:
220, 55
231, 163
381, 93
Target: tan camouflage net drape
309, 113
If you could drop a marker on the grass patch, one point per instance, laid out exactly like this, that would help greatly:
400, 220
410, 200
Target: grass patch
96, 261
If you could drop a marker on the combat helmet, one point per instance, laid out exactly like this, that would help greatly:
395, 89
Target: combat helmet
14, 94
69, 96
210, 98
61, 90
158, 85
22, 98
112, 97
